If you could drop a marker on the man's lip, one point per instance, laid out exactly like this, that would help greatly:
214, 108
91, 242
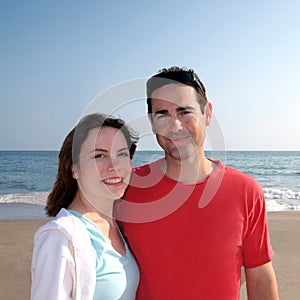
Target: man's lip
178, 138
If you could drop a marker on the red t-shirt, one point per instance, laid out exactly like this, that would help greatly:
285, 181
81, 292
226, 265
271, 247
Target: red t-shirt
190, 240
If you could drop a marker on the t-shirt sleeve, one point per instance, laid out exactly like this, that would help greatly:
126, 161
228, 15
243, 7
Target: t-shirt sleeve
256, 247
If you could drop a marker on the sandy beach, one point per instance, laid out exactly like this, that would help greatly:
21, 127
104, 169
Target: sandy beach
17, 241
285, 238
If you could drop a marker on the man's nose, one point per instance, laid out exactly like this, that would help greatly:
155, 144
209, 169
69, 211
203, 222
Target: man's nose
174, 124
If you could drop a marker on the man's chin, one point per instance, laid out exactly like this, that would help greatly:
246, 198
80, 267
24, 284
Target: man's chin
181, 153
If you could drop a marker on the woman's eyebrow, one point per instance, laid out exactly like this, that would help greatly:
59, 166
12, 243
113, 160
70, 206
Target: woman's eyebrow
123, 149
106, 151
98, 150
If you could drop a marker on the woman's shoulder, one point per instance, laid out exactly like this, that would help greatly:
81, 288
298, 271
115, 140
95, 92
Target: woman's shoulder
65, 225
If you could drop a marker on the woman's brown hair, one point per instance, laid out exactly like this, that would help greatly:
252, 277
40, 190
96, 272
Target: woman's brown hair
65, 186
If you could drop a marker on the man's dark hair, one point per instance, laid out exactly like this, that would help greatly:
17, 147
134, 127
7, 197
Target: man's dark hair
176, 74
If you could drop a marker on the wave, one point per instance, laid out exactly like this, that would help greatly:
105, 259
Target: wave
273, 193
38, 198
282, 199
276, 199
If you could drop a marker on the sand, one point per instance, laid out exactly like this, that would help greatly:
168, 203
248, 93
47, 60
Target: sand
16, 246
285, 238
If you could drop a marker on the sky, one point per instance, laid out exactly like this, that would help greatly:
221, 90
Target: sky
62, 59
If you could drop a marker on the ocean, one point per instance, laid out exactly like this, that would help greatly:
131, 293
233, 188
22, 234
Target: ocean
26, 177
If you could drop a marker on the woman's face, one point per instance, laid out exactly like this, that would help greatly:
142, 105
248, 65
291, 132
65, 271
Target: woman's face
104, 167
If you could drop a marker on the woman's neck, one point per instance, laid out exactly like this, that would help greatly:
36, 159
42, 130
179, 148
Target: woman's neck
104, 209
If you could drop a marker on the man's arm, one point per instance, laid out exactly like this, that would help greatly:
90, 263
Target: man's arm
261, 283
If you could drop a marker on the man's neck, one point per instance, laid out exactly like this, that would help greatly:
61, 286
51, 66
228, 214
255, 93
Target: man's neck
193, 169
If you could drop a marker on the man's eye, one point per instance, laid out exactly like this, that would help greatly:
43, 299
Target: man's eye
99, 156
186, 112
161, 116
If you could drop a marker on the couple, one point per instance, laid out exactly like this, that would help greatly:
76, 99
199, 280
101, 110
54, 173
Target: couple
190, 222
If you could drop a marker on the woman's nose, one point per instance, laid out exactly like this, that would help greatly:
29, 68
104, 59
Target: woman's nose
113, 164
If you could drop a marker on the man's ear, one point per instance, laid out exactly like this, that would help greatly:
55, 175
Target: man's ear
75, 174
150, 118
208, 113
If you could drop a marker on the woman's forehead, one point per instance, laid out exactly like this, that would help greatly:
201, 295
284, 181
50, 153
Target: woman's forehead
105, 138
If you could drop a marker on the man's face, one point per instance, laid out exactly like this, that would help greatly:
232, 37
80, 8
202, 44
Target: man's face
177, 120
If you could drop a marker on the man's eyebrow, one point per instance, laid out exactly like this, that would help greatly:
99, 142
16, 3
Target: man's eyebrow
161, 112
181, 108
178, 109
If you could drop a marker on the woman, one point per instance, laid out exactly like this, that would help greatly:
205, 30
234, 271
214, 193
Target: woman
81, 254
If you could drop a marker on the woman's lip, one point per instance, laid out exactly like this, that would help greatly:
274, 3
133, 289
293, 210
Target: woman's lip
113, 180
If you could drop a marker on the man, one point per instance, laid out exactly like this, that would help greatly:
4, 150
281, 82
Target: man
192, 222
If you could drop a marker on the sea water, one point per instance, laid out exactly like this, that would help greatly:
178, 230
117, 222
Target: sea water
26, 177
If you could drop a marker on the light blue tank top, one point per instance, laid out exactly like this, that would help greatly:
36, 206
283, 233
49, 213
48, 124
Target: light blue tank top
117, 276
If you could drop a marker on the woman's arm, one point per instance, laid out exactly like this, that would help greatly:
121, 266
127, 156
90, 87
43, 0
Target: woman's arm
53, 268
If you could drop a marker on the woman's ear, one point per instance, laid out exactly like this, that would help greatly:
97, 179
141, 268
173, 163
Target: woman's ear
75, 174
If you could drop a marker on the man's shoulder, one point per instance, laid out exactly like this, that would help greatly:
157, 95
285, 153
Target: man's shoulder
143, 169
241, 177
146, 169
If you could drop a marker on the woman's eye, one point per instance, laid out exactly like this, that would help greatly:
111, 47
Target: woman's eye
124, 154
99, 156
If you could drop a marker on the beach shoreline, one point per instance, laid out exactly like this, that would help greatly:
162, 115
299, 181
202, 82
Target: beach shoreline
17, 242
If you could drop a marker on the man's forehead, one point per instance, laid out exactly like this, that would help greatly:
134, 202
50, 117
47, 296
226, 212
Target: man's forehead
173, 89
175, 93
175, 103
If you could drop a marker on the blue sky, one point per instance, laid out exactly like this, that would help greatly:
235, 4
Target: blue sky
57, 57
